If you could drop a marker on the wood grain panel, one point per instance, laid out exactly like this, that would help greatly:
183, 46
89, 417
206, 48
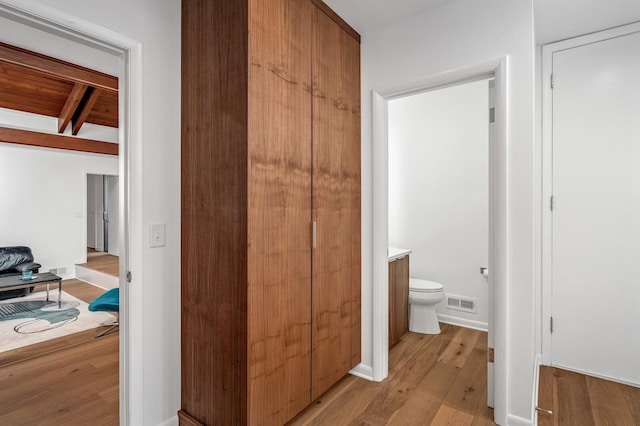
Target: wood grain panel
185, 419
105, 111
84, 109
56, 68
336, 204
398, 299
214, 211
70, 106
322, 6
351, 88
279, 215
28, 90
47, 140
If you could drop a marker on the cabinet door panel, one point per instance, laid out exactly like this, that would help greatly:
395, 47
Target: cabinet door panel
336, 203
398, 299
279, 218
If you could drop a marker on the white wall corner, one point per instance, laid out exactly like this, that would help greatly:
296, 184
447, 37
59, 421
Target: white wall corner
363, 371
172, 421
513, 420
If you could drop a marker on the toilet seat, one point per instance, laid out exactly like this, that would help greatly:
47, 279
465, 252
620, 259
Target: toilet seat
424, 286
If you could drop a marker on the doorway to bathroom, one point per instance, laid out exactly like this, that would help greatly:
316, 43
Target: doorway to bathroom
467, 186
439, 198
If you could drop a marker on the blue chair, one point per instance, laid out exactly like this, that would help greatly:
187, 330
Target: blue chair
108, 302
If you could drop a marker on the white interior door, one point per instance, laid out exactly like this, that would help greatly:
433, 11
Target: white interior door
91, 211
95, 212
112, 214
595, 277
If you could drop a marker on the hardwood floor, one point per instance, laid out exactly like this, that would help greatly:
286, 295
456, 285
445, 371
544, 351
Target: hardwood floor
73, 386
433, 380
102, 262
576, 399
71, 380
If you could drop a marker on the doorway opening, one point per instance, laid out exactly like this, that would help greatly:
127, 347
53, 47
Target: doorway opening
439, 210
69, 28
496, 259
101, 266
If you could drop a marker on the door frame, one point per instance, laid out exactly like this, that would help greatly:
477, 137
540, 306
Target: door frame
85, 198
60, 23
498, 159
547, 170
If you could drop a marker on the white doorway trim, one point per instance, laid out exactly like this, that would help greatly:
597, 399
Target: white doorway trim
64, 24
498, 262
547, 168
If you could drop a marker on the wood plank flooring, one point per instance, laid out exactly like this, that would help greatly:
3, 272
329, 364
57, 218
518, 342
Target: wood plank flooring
433, 380
72, 386
102, 262
577, 399
72, 380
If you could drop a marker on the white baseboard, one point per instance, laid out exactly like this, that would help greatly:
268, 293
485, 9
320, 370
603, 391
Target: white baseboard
599, 376
463, 322
172, 421
513, 420
97, 278
363, 371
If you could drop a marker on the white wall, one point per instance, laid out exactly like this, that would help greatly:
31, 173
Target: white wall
454, 36
43, 203
154, 292
439, 189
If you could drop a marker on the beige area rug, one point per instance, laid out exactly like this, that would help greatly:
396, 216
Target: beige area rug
30, 319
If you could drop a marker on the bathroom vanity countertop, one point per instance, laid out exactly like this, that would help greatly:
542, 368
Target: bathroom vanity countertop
396, 253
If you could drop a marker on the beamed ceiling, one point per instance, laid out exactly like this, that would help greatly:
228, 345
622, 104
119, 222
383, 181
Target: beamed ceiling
43, 85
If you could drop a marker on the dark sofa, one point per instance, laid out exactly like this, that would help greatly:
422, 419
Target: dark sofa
14, 261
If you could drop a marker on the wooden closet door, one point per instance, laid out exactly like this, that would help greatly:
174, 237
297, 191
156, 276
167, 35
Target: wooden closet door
279, 213
336, 203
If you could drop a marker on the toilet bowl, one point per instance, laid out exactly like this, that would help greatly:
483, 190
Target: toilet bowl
423, 297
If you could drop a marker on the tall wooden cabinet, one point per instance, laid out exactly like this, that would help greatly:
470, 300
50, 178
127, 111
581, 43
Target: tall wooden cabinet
270, 208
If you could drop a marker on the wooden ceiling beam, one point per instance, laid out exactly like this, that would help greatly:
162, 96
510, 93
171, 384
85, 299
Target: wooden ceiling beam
49, 140
84, 109
70, 107
57, 68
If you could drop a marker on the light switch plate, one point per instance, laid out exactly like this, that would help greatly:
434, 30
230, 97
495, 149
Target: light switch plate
157, 234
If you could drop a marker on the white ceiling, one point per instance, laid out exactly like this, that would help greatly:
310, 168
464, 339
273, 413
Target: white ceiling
365, 15
557, 20
554, 20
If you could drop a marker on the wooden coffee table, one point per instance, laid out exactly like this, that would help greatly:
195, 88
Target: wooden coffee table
14, 282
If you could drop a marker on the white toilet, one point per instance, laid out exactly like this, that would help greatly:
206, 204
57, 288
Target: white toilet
423, 297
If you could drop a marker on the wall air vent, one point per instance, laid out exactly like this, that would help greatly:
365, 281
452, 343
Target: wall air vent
460, 303
59, 271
